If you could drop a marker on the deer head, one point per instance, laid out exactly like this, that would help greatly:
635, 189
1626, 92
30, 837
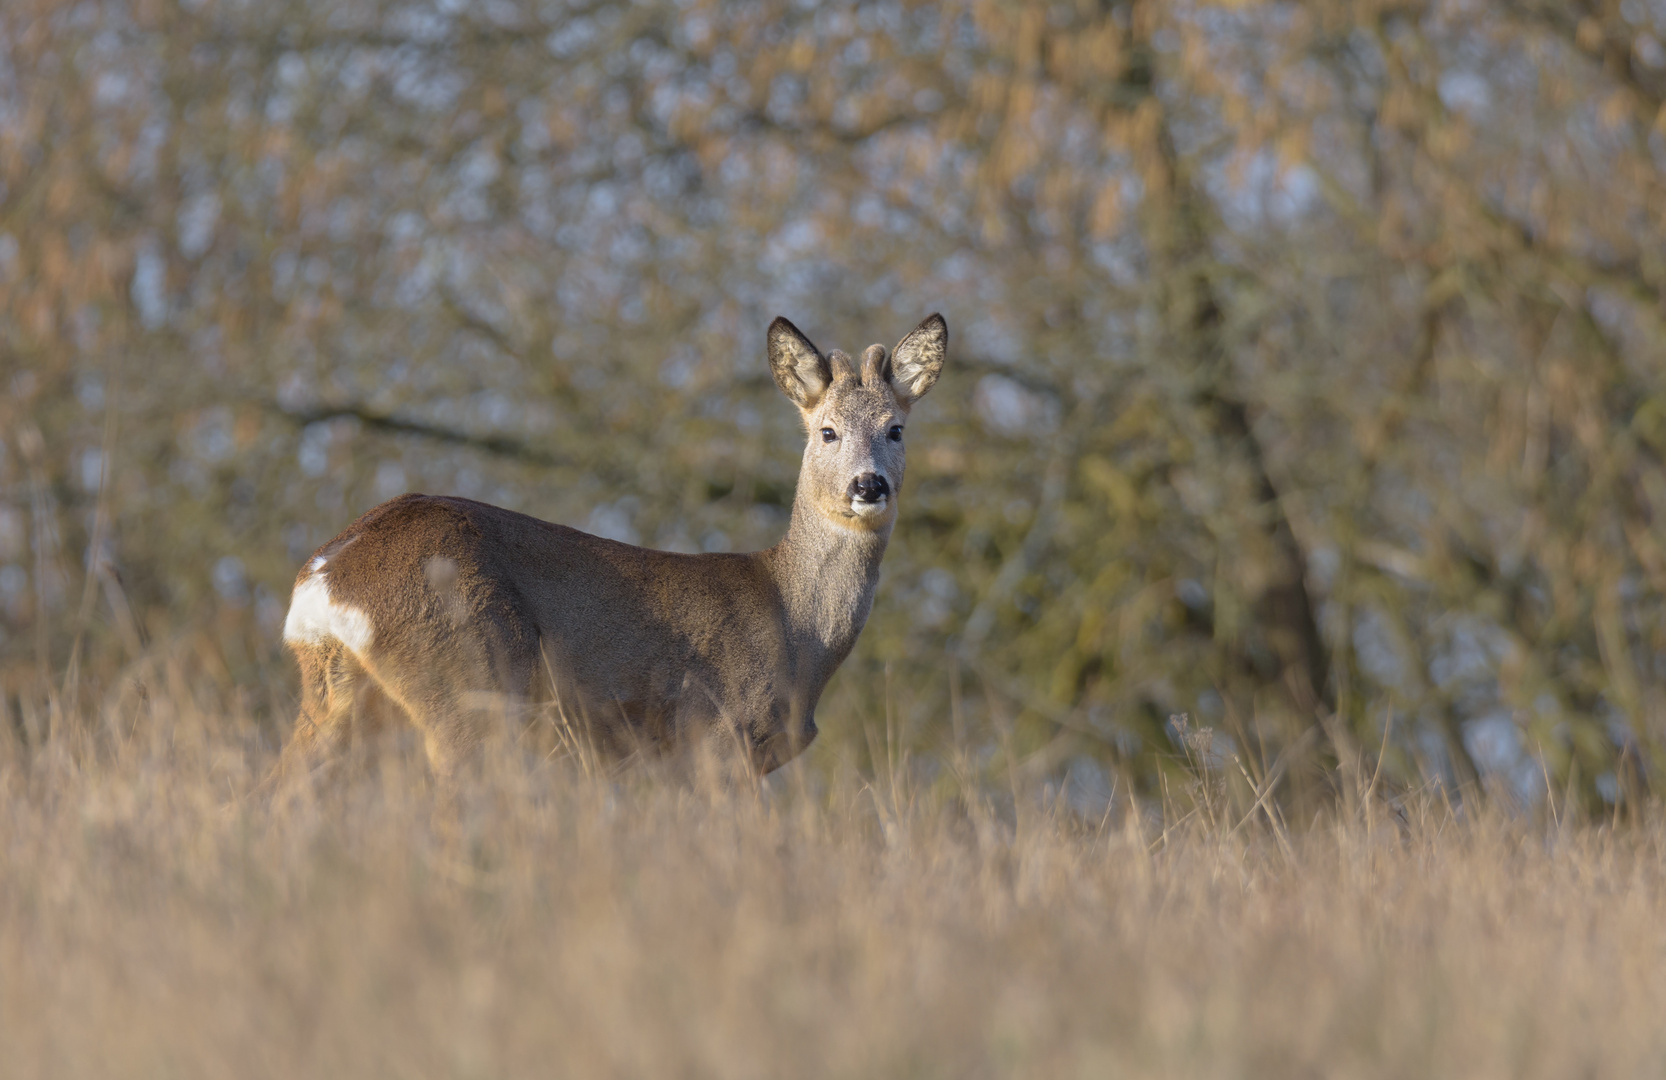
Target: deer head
854, 413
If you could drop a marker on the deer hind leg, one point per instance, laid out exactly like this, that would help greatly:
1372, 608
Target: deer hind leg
455, 703
334, 689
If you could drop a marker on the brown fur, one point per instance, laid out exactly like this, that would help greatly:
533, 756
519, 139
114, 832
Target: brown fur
470, 606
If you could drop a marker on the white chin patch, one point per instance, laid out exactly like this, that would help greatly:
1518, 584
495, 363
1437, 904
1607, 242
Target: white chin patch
869, 509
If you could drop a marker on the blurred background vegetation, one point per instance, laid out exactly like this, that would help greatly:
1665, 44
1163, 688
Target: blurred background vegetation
1306, 372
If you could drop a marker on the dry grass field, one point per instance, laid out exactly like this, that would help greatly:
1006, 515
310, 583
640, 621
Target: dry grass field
156, 921
1307, 378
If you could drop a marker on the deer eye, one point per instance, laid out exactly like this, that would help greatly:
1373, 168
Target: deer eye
828, 434
895, 433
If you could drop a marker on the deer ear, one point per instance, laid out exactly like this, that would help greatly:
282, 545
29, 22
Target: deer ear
918, 359
800, 370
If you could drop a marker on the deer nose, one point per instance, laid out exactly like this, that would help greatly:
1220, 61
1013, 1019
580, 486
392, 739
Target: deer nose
869, 487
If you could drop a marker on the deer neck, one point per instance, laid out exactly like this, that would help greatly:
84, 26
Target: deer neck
826, 574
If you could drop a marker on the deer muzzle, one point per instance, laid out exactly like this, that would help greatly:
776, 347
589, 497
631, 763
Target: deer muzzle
870, 494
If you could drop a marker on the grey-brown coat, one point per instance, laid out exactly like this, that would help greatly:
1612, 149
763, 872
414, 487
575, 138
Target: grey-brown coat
453, 608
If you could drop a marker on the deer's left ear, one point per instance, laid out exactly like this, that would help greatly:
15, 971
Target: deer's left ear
918, 359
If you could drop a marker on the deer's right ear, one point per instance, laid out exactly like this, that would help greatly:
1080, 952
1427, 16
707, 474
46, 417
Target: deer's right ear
799, 368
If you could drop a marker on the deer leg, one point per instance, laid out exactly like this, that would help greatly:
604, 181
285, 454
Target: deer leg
456, 706
782, 746
332, 684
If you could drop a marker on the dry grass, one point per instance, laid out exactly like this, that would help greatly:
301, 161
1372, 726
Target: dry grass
154, 924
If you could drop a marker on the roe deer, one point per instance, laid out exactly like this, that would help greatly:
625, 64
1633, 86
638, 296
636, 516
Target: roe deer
443, 603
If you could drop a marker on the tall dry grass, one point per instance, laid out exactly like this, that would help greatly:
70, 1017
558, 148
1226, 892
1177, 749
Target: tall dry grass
155, 921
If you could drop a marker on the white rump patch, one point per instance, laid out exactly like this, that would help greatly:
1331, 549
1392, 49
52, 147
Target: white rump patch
314, 618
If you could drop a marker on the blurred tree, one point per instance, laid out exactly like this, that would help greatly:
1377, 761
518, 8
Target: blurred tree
1306, 358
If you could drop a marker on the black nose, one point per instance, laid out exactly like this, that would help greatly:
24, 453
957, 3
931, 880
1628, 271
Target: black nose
869, 487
